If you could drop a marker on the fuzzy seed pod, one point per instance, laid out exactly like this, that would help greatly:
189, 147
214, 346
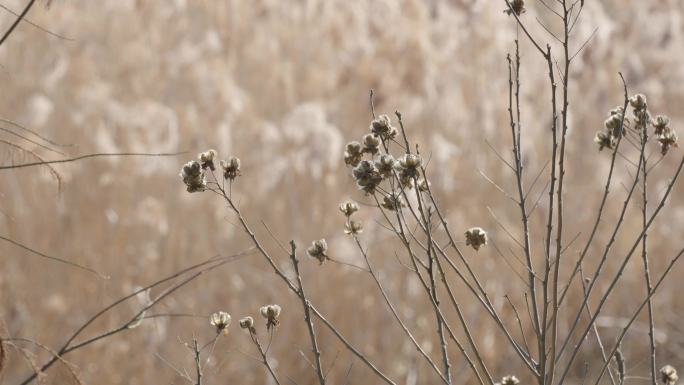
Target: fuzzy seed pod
668, 375
353, 228
193, 176
382, 128
371, 144
221, 321
605, 139
247, 323
510, 380
207, 159
367, 176
348, 208
476, 237
231, 168
271, 314
353, 154
638, 102
318, 250
518, 7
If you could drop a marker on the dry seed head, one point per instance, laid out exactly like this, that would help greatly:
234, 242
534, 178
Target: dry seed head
409, 163
393, 201
605, 139
353, 228
518, 7
348, 208
221, 321
618, 110
668, 375
231, 168
367, 176
371, 144
613, 122
207, 159
510, 380
247, 323
353, 154
408, 167
660, 124
385, 164
638, 102
271, 314
382, 127
193, 177
667, 140
476, 237
318, 250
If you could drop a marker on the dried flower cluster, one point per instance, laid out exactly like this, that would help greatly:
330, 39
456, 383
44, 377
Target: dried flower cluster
393, 201
612, 129
516, 6
668, 375
271, 314
318, 250
476, 237
509, 380
617, 123
665, 135
385, 164
370, 173
194, 175
408, 168
367, 176
351, 227
382, 128
221, 321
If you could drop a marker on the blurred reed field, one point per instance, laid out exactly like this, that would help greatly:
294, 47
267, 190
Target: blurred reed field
284, 86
